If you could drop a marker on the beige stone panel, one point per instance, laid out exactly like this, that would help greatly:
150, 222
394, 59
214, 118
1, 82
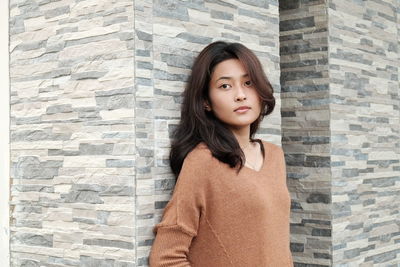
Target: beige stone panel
339, 198
109, 171
55, 214
37, 250
116, 200
144, 73
97, 31
178, 43
63, 245
15, 11
356, 140
102, 65
123, 149
118, 73
106, 229
60, 116
26, 89
62, 189
28, 109
381, 108
84, 213
41, 34
66, 127
94, 6
16, 153
85, 161
123, 208
83, 102
60, 225
92, 49
72, 145
103, 179
27, 196
30, 70
82, 88
119, 83
88, 137
168, 30
249, 22
24, 55
145, 187
62, 180
218, 7
37, 23
13, 44
49, 196
53, 5
104, 252
28, 216
355, 163
75, 237
117, 114
87, 24
350, 66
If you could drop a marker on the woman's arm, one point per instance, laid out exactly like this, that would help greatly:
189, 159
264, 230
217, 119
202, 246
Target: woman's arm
180, 220
170, 247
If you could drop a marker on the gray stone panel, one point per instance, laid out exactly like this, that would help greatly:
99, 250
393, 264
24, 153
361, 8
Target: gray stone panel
72, 135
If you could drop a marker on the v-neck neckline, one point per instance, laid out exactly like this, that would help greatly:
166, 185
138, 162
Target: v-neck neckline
264, 160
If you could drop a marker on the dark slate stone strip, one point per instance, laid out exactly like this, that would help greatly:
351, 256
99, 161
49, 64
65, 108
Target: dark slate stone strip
294, 24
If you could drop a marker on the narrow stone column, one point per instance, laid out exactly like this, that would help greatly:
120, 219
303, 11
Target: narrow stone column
305, 127
340, 122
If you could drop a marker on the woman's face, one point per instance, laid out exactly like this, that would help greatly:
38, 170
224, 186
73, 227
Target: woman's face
230, 88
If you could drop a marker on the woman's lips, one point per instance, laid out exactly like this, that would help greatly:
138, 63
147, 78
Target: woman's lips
242, 110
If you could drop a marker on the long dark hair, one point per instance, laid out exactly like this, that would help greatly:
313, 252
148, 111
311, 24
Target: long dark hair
197, 125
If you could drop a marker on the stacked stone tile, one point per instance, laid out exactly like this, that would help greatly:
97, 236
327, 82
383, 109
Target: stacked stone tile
340, 92
364, 67
169, 36
95, 92
305, 127
72, 133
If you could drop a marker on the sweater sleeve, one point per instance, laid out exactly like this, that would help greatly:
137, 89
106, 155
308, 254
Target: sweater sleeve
181, 216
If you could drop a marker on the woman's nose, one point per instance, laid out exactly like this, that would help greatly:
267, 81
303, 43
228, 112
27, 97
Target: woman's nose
240, 95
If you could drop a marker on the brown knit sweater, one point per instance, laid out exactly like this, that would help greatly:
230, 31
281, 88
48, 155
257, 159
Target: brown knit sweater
217, 218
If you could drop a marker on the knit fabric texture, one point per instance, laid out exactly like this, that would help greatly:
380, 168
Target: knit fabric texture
217, 218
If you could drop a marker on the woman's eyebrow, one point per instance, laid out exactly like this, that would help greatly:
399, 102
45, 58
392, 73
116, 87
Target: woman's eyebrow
229, 78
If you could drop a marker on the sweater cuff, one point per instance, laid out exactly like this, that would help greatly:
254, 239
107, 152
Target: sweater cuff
170, 247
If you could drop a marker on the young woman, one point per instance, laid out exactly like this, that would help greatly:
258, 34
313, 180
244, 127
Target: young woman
230, 205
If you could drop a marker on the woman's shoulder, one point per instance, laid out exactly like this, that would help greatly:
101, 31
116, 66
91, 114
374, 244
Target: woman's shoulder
200, 153
201, 149
202, 157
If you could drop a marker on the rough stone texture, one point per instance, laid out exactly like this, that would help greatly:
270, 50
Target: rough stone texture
168, 37
96, 91
340, 125
305, 128
72, 135
364, 62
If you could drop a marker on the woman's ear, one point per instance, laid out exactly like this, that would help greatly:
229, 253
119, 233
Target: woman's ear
207, 105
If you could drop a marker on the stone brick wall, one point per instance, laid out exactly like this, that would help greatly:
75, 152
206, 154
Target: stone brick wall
305, 127
72, 133
168, 37
364, 67
95, 93
340, 125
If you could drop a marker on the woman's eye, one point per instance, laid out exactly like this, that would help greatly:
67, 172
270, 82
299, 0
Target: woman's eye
248, 83
225, 86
